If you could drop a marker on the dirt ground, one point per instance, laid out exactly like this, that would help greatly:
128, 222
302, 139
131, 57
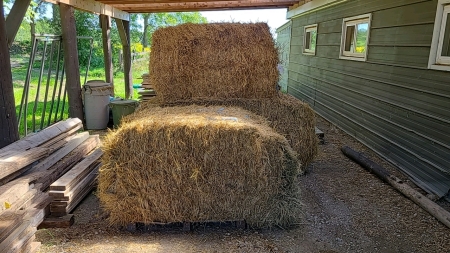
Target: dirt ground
346, 209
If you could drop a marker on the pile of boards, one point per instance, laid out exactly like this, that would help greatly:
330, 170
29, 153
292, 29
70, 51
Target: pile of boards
147, 92
58, 158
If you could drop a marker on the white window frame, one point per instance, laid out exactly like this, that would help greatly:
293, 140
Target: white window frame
436, 60
309, 28
353, 21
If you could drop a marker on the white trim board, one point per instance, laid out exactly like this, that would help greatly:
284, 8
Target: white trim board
435, 41
314, 5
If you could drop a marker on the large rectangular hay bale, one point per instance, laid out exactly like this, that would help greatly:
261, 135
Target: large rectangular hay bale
220, 60
195, 163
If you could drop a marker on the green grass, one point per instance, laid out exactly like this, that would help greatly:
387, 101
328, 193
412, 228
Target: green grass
19, 73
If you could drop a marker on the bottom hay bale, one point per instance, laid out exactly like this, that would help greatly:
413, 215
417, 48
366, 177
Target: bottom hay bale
193, 163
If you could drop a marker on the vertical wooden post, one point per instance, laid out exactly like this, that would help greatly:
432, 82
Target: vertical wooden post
124, 32
9, 131
71, 63
105, 23
15, 17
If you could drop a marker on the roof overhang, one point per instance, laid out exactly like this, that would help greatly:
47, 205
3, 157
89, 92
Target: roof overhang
307, 6
122, 8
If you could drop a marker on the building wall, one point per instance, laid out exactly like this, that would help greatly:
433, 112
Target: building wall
284, 44
392, 103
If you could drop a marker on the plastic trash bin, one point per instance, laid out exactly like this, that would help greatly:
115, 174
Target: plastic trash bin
96, 95
122, 108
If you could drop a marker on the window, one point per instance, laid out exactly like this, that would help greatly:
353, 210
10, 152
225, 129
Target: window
310, 39
440, 46
355, 37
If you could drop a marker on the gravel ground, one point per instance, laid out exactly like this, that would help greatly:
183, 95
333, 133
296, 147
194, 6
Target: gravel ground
346, 210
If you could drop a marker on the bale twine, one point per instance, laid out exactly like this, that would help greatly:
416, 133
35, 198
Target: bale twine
220, 60
194, 163
287, 115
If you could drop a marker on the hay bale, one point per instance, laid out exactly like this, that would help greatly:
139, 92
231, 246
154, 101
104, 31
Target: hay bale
197, 163
221, 60
287, 115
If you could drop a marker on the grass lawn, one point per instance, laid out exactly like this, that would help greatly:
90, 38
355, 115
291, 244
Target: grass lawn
35, 111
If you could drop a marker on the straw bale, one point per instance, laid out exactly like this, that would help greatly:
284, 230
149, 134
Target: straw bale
194, 163
219, 60
287, 115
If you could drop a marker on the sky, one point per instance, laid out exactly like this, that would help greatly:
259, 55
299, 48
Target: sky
274, 17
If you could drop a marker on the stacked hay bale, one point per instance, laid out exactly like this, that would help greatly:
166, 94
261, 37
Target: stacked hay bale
217, 61
172, 161
199, 163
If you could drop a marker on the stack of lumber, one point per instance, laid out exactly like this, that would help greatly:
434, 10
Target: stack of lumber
147, 91
27, 168
71, 188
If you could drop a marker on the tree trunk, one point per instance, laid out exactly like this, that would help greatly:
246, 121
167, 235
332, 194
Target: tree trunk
9, 131
145, 38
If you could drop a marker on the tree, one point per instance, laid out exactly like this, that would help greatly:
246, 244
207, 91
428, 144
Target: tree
153, 21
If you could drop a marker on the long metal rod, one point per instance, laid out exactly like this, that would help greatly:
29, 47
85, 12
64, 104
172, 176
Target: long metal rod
55, 85
36, 101
59, 94
64, 102
89, 62
24, 101
47, 86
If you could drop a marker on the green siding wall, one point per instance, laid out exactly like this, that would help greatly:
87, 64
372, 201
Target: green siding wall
392, 102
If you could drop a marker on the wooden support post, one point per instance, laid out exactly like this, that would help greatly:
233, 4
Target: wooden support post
9, 131
105, 23
71, 63
124, 32
15, 17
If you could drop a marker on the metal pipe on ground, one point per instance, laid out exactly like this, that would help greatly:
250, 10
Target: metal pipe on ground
431, 207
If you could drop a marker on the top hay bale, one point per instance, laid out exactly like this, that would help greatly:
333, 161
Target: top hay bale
221, 60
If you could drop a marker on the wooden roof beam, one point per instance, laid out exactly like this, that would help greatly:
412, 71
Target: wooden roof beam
198, 6
94, 7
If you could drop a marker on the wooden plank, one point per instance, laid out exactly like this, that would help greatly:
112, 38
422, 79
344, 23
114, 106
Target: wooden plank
12, 192
18, 161
94, 7
61, 153
9, 221
9, 131
47, 177
70, 194
15, 18
34, 247
77, 173
52, 143
22, 240
24, 228
65, 221
173, 6
65, 208
37, 139
105, 23
71, 63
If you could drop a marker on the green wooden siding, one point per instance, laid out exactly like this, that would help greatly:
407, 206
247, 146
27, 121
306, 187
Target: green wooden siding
392, 102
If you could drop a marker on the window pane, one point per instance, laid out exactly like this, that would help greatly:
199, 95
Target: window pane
349, 38
313, 40
446, 41
361, 37
308, 40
